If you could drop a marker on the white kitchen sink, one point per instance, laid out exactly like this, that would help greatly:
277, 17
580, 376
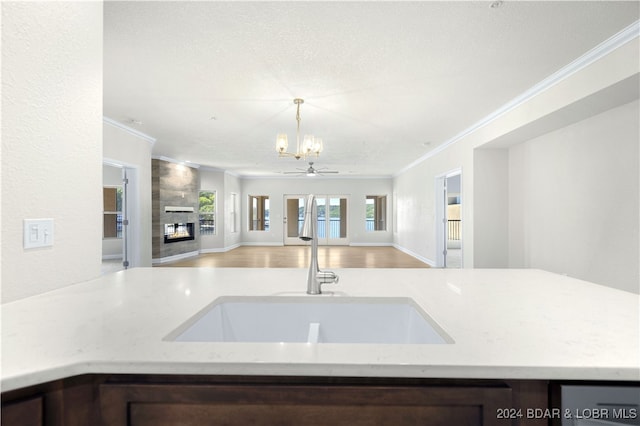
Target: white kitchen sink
311, 319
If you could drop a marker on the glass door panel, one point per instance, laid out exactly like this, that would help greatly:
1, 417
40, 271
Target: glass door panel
293, 217
332, 220
322, 218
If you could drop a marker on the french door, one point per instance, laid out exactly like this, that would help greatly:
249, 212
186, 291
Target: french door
332, 219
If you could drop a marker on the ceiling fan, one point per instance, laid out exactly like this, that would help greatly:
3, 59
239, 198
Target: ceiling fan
311, 171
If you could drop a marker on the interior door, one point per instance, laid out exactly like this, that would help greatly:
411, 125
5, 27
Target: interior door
441, 221
125, 219
449, 220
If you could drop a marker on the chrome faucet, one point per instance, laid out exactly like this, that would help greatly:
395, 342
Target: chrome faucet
309, 232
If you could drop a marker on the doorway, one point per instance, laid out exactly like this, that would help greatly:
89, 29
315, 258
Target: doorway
332, 219
121, 238
449, 235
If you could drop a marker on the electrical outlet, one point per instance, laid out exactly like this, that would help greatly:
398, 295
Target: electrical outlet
38, 233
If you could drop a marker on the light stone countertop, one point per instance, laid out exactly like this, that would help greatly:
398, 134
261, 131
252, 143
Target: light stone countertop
506, 324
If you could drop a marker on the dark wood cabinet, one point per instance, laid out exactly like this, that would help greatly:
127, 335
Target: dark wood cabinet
162, 405
145, 400
66, 402
312, 401
27, 412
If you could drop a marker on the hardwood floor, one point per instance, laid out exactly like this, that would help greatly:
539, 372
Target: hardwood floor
298, 257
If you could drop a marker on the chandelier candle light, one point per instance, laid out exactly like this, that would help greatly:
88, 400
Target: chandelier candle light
310, 145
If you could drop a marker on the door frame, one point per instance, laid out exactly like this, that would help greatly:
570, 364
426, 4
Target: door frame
321, 241
327, 241
441, 226
131, 239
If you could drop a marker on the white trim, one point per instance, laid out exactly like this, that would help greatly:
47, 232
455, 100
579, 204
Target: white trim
118, 164
173, 160
370, 244
233, 246
219, 250
211, 168
112, 256
416, 255
128, 129
621, 38
251, 243
175, 257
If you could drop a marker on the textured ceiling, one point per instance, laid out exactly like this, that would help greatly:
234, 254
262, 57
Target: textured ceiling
383, 82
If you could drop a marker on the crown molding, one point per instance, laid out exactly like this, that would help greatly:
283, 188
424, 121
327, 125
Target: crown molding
211, 169
129, 130
173, 160
603, 49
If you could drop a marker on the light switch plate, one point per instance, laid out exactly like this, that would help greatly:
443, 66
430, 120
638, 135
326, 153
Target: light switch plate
38, 233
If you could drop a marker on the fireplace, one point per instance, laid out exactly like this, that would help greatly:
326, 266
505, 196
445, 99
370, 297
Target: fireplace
174, 232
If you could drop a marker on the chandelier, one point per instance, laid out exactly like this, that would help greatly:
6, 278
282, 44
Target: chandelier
310, 144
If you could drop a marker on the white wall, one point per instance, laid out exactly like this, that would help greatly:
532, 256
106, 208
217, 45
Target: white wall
491, 216
133, 152
416, 204
232, 187
557, 106
213, 180
355, 189
51, 142
574, 200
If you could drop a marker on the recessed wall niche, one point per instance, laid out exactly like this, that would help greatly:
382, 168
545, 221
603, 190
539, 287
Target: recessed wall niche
175, 201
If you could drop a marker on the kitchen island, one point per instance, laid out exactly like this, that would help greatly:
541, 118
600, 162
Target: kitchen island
518, 327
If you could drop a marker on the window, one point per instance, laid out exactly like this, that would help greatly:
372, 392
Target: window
207, 212
376, 216
112, 212
258, 213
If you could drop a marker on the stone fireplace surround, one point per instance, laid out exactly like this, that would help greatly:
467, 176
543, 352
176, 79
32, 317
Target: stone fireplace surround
173, 185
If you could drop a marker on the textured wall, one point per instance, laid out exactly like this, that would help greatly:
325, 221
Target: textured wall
51, 142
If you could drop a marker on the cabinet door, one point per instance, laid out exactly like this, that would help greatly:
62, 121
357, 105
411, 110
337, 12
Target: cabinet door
171, 404
27, 412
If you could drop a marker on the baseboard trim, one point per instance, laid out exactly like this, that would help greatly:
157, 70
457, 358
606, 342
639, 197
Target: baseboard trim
112, 256
220, 249
276, 244
416, 255
371, 244
175, 257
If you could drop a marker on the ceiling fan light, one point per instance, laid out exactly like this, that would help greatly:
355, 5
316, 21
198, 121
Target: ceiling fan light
282, 143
